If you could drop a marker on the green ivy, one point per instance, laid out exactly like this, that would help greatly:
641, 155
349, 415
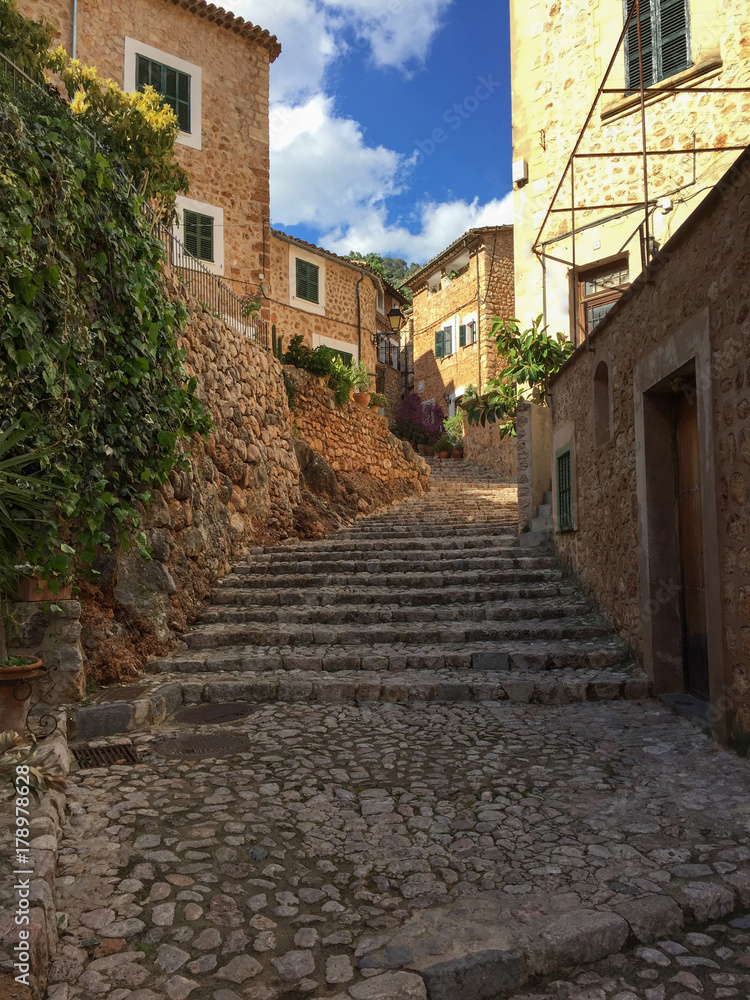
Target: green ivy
89, 365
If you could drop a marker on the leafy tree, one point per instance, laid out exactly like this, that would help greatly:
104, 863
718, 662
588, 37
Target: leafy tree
393, 269
531, 357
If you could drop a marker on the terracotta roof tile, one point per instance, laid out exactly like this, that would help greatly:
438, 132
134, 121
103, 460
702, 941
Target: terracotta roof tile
232, 22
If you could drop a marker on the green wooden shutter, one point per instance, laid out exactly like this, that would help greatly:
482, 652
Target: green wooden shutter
307, 280
647, 44
439, 344
673, 37
142, 72
191, 233
447, 340
172, 85
462, 335
199, 235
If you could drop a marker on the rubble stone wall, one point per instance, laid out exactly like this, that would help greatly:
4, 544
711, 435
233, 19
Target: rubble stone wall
688, 289
484, 446
353, 438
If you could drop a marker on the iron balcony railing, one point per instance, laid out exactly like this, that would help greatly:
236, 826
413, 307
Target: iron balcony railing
205, 286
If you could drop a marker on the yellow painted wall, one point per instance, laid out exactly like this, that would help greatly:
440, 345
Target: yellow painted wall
559, 54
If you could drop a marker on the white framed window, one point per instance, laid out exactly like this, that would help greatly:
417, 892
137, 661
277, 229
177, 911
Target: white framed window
200, 228
307, 281
468, 330
445, 341
344, 348
177, 80
380, 301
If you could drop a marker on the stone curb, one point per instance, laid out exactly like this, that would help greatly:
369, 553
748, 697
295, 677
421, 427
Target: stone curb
355, 687
582, 937
47, 821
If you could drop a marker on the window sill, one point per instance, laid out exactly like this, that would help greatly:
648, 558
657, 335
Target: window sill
706, 69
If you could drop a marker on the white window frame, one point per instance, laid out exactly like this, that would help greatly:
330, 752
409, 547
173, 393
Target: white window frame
336, 345
134, 48
319, 307
471, 318
380, 300
454, 344
217, 214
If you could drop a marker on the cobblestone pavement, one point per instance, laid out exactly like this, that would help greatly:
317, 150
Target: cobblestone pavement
304, 865
448, 787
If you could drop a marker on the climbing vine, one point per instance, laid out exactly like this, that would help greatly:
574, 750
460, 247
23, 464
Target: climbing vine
89, 365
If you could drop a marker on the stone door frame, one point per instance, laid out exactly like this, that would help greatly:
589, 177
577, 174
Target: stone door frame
689, 344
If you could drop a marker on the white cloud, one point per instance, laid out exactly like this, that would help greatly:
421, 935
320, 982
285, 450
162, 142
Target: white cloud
323, 173
437, 226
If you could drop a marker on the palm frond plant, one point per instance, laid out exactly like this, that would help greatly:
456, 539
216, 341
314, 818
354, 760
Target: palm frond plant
22, 763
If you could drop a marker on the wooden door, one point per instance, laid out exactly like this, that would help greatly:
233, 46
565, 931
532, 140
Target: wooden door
691, 546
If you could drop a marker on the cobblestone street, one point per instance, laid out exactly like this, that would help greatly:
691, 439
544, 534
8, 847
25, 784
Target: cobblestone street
425, 841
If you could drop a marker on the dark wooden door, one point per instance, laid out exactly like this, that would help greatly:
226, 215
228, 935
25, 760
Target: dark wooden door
691, 547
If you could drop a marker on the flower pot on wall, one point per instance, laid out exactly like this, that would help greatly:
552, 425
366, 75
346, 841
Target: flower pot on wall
442, 454
33, 588
15, 694
457, 453
363, 398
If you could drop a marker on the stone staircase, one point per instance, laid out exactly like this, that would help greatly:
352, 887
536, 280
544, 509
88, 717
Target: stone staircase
427, 600
541, 527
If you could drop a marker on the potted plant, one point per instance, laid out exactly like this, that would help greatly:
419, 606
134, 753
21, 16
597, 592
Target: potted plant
25, 502
453, 432
378, 401
360, 381
443, 446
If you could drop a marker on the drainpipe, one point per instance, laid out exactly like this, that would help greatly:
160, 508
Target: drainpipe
74, 30
359, 316
479, 329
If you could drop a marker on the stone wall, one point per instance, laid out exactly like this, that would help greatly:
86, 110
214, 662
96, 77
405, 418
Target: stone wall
231, 169
55, 638
691, 315
353, 438
484, 446
479, 293
534, 456
337, 319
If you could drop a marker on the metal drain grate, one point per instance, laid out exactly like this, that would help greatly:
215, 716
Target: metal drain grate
106, 756
199, 746
216, 713
127, 693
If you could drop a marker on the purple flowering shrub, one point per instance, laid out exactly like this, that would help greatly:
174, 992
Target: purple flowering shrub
417, 423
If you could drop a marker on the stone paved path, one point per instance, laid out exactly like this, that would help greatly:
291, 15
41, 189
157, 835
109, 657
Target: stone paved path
388, 851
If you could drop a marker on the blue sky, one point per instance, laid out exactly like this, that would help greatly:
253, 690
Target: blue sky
390, 120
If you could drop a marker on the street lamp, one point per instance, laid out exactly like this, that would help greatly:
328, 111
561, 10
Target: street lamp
395, 318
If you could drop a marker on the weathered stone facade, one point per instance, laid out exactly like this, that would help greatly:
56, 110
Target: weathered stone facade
230, 169
390, 369
353, 438
55, 638
533, 459
345, 318
481, 288
682, 329
559, 54
484, 446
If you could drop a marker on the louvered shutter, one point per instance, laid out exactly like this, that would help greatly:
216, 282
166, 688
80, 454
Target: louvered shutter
439, 344
462, 335
307, 281
206, 246
647, 44
191, 232
673, 37
142, 72
447, 341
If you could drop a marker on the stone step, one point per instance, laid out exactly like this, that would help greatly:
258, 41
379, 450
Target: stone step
544, 510
245, 596
454, 578
556, 687
499, 543
386, 634
548, 498
539, 654
441, 562
441, 529
386, 613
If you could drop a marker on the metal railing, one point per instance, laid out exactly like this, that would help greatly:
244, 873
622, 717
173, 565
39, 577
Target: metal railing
205, 286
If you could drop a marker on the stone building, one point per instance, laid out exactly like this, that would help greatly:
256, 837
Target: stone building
392, 361
213, 68
330, 300
456, 297
559, 58
651, 461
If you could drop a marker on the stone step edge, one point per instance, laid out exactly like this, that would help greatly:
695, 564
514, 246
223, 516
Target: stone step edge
169, 693
580, 937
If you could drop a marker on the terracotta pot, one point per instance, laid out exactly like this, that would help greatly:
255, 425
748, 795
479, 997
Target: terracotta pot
456, 453
363, 398
33, 588
442, 454
15, 695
